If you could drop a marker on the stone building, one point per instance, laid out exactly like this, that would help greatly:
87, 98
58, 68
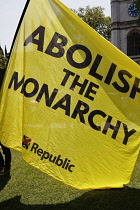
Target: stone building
125, 34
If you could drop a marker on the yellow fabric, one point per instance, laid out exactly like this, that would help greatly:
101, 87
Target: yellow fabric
75, 96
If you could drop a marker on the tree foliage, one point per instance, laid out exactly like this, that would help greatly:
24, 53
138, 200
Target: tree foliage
96, 19
3, 60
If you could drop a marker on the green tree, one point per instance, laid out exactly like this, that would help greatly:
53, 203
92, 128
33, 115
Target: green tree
96, 19
137, 5
3, 60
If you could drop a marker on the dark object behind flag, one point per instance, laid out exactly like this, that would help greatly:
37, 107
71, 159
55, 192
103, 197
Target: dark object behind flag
2, 72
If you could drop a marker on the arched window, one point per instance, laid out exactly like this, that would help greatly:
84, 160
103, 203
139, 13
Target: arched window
133, 44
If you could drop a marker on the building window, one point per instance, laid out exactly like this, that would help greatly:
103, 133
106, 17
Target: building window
133, 44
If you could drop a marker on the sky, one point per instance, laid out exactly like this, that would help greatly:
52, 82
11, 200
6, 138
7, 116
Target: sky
11, 10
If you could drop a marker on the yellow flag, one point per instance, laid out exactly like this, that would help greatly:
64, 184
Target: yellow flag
70, 101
